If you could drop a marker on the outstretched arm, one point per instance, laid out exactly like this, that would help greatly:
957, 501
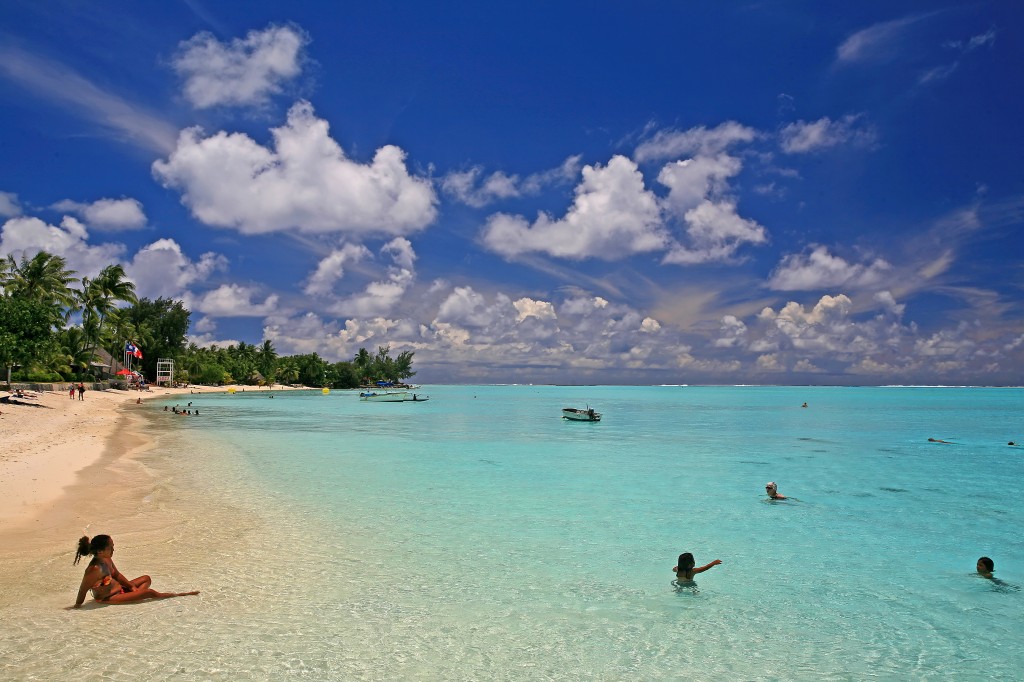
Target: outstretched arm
704, 568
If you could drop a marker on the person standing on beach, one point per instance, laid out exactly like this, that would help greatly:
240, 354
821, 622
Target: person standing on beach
81, 391
109, 585
71, 392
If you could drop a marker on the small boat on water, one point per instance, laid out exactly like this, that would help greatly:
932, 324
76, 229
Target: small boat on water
385, 396
577, 415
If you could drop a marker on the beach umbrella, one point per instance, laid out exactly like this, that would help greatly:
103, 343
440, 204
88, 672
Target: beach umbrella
122, 372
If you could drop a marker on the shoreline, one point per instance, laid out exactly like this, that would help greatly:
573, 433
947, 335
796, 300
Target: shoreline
72, 468
212, 505
49, 444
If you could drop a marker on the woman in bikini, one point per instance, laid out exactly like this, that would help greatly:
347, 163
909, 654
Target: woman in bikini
108, 584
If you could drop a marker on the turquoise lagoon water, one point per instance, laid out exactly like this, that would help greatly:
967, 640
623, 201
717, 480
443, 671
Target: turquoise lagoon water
479, 536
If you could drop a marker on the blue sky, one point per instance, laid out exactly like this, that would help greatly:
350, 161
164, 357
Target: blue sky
560, 192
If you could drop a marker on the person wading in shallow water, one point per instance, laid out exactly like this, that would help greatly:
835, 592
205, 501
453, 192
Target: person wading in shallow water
109, 585
685, 567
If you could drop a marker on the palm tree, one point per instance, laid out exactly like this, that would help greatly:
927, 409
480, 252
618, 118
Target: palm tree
267, 360
288, 372
7, 267
44, 278
74, 351
99, 298
362, 362
121, 327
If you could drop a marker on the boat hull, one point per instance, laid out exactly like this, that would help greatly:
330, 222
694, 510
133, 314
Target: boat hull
576, 415
385, 397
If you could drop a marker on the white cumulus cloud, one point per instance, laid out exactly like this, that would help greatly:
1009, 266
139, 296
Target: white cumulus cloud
692, 180
332, 268
305, 182
819, 269
109, 215
26, 236
715, 232
613, 216
163, 269
234, 300
244, 72
381, 296
528, 307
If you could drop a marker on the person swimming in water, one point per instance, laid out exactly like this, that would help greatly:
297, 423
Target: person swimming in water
109, 585
773, 491
985, 568
685, 570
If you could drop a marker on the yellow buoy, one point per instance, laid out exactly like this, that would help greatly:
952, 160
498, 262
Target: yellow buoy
326, 391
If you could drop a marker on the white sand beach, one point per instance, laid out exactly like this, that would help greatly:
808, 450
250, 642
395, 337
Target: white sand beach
59, 456
46, 441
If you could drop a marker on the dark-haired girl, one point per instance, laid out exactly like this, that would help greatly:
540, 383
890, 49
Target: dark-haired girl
108, 584
684, 568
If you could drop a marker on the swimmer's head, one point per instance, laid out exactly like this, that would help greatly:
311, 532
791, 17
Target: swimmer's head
771, 487
986, 565
685, 562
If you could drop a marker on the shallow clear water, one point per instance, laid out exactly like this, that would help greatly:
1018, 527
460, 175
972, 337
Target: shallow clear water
479, 536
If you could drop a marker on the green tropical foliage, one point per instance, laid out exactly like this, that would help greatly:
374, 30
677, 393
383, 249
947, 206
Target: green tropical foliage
98, 300
28, 334
38, 302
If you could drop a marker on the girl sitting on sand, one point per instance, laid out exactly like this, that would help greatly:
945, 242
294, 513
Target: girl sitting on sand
109, 585
685, 570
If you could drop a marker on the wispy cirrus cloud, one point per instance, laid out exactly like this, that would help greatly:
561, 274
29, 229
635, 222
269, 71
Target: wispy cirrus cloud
10, 206
699, 141
878, 42
63, 86
473, 188
802, 137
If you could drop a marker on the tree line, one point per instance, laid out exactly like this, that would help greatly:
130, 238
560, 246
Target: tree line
53, 325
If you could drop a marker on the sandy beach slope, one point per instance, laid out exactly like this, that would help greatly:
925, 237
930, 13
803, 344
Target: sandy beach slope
47, 442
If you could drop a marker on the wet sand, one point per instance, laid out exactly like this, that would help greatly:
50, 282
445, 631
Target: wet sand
70, 468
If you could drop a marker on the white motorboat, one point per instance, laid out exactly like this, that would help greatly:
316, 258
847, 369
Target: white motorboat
578, 415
